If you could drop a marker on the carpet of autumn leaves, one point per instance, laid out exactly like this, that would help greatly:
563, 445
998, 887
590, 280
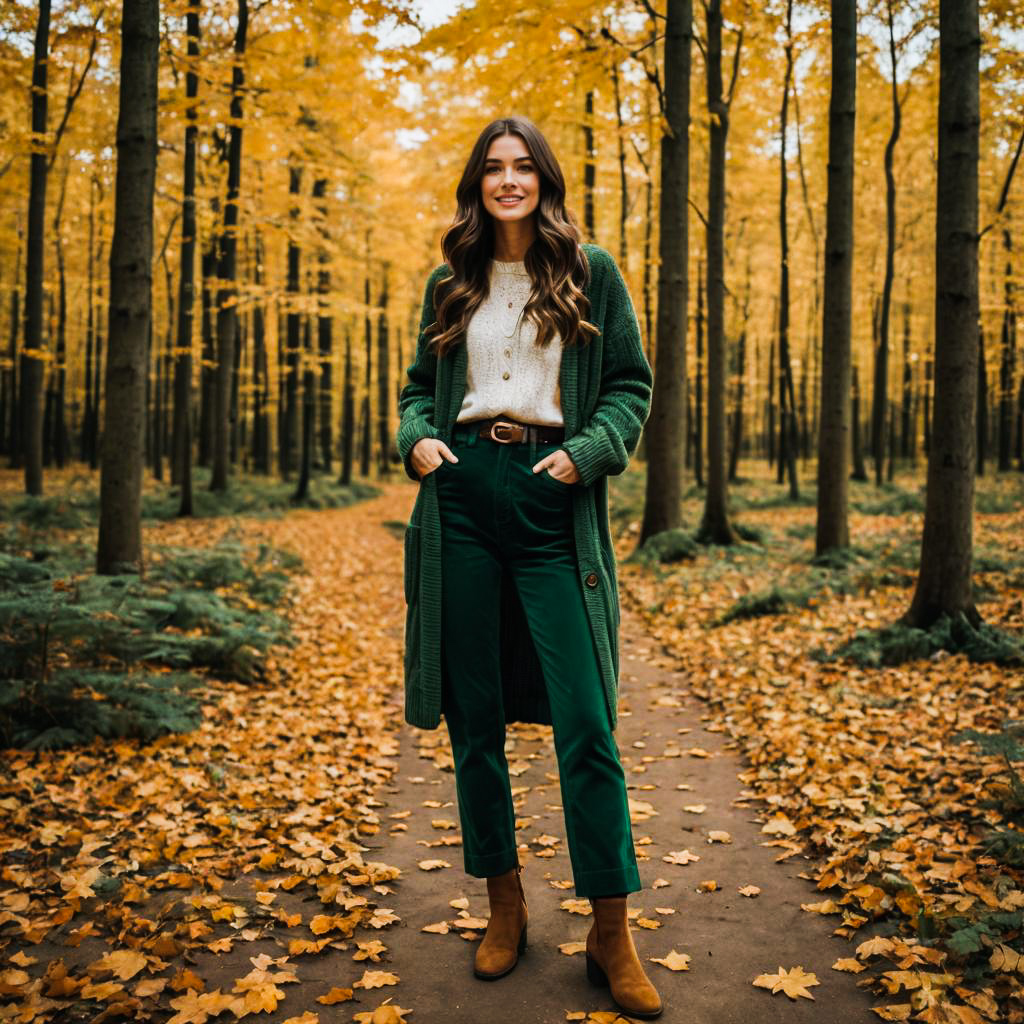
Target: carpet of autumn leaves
862, 765
124, 865
128, 870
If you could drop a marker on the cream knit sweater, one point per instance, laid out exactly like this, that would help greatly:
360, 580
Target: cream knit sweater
507, 374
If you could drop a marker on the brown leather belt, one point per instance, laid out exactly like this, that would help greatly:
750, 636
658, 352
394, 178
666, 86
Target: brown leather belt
506, 431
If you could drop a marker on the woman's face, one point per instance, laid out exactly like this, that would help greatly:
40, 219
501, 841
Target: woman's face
511, 183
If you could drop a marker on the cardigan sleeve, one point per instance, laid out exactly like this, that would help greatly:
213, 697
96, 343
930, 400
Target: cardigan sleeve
613, 431
416, 401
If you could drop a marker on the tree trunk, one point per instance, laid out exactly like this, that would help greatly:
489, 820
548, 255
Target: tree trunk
207, 377
366, 435
1008, 358
181, 445
290, 423
383, 378
308, 389
325, 335
589, 166
348, 414
944, 578
623, 183
33, 351
787, 393
119, 546
666, 427
715, 526
698, 391
880, 396
834, 441
736, 441
227, 308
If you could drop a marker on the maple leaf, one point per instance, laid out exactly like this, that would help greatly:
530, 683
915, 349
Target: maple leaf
749, 890
794, 982
695, 808
718, 836
375, 979
440, 928
680, 857
674, 961
850, 964
336, 995
197, 1007
433, 865
577, 906
898, 1011
824, 907
305, 1018
149, 987
370, 950
569, 948
386, 1013
470, 922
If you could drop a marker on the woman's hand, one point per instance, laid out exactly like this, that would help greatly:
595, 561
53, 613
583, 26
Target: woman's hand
428, 453
560, 466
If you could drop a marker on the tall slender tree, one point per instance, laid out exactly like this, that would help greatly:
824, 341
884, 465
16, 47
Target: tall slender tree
787, 393
33, 355
944, 578
880, 394
119, 546
834, 440
182, 435
227, 308
715, 526
665, 431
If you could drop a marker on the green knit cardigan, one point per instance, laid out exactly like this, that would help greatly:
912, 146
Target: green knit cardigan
605, 388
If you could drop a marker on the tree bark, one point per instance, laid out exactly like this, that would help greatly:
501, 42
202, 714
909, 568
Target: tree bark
715, 527
834, 442
666, 426
227, 292
880, 394
787, 395
33, 355
944, 578
589, 166
182, 435
119, 546
383, 377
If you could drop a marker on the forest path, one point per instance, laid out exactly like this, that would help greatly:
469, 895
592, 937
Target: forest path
267, 864
671, 762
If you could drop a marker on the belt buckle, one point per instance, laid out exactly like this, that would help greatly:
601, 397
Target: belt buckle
511, 426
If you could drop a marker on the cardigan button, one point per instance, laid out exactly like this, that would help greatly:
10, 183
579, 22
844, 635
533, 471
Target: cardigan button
591, 580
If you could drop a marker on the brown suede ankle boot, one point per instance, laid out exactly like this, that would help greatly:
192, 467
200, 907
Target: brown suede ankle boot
505, 938
612, 960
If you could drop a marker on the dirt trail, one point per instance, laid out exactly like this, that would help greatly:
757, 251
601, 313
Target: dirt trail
240, 828
731, 939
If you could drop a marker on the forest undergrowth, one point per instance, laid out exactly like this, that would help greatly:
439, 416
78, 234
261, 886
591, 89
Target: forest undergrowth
905, 781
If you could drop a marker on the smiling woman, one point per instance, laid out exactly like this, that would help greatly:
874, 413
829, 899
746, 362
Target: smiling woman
529, 387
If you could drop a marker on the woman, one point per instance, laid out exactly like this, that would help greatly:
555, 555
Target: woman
529, 386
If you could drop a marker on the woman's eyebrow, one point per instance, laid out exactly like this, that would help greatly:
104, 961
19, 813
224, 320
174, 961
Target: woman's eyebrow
517, 160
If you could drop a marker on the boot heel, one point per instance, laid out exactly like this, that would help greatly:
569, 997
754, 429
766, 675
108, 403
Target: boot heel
522, 940
595, 975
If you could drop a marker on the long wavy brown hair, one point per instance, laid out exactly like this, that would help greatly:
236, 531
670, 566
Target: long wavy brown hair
557, 265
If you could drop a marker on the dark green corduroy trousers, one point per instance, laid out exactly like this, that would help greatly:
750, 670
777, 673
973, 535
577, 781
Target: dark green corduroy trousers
498, 516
